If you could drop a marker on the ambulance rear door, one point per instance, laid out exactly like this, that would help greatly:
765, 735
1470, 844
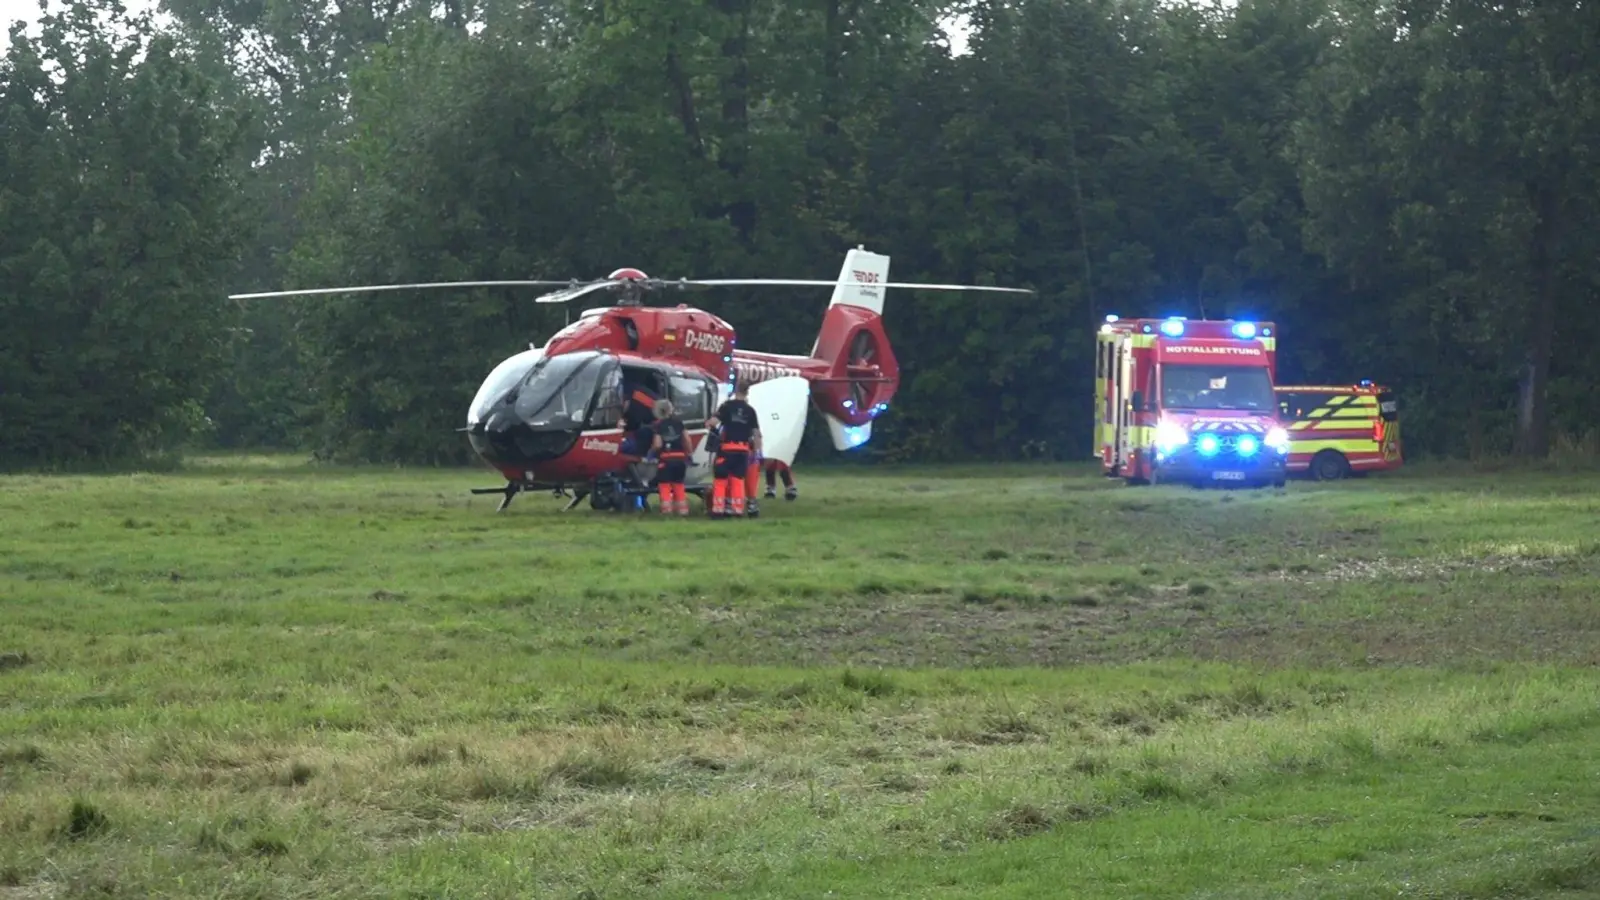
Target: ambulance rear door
1121, 389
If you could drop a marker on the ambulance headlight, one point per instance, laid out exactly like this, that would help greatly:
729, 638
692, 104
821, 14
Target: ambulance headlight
1278, 439
1170, 436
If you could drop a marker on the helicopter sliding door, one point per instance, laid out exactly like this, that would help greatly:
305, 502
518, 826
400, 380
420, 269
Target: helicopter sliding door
691, 396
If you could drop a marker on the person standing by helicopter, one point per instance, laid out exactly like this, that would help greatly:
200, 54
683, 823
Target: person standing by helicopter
781, 469
670, 445
739, 435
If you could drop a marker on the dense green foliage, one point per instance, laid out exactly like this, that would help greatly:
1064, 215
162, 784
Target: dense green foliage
1402, 186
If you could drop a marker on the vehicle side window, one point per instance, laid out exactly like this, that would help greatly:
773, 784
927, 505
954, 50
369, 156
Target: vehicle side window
692, 399
607, 412
1388, 406
1298, 405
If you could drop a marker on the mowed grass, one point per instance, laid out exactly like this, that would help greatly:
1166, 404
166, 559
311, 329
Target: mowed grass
261, 679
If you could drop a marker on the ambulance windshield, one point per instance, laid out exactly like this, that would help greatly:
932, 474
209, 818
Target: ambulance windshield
1199, 386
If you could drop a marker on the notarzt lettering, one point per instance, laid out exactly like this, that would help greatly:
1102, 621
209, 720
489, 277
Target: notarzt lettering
757, 372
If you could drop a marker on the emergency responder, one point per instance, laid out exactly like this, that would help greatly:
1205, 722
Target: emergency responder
776, 467
752, 482
670, 445
739, 436
638, 411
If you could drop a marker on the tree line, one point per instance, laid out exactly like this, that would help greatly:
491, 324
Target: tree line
1404, 186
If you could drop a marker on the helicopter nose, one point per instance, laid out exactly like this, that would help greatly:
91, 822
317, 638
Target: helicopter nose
499, 421
503, 440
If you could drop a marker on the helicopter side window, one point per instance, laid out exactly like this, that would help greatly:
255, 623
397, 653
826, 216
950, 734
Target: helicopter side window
608, 401
692, 400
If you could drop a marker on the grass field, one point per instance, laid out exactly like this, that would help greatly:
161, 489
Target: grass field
258, 679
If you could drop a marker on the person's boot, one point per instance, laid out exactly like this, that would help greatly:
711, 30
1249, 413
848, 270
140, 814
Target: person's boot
771, 492
790, 492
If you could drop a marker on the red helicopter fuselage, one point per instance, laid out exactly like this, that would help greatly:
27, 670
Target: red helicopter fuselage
552, 417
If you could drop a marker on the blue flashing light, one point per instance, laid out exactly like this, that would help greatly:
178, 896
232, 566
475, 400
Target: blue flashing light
1266, 332
1172, 328
1111, 317
856, 435
1248, 446
1207, 445
849, 404
1146, 329
1244, 330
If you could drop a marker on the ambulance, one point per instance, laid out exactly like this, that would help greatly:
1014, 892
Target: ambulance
1190, 401
1336, 431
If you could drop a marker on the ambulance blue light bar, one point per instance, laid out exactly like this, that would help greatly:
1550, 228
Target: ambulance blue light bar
1172, 328
1244, 330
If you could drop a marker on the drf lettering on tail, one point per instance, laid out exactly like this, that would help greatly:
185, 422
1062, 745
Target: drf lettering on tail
700, 340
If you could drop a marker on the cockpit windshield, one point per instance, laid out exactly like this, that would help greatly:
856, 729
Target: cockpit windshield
559, 391
1196, 386
504, 377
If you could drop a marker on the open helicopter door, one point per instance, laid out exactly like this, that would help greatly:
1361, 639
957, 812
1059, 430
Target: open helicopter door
781, 409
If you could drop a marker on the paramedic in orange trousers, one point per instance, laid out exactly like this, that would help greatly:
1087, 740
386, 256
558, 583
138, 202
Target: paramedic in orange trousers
735, 422
671, 448
752, 482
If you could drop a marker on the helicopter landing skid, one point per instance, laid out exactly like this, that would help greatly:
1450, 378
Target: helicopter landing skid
513, 488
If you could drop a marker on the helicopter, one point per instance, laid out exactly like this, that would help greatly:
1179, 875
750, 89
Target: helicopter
550, 418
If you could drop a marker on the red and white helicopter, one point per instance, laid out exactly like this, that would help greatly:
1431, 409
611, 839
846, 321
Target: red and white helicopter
550, 417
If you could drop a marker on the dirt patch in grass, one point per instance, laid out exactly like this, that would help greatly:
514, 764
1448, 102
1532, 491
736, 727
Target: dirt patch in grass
1381, 612
953, 631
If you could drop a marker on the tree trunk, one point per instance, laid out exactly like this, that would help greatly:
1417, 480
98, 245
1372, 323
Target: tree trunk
1533, 412
735, 153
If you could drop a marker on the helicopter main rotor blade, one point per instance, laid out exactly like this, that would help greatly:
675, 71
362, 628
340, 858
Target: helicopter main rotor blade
572, 293
728, 282
366, 288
